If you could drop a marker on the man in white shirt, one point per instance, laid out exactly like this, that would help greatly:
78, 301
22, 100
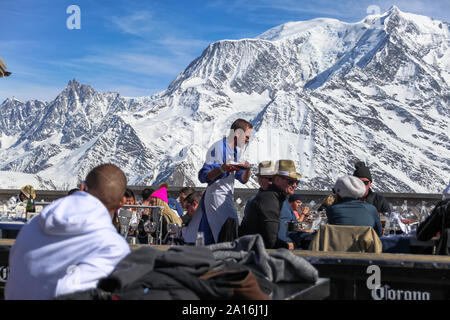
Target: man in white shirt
72, 243
219, 171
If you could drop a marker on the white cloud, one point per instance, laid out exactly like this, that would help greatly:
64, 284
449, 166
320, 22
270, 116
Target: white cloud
137, 23
133, 63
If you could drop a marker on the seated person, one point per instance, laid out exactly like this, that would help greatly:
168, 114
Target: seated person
437, 221
300, 238
184, 193
142, 236
363, 173
329, 200
295, 202
130, 200
348, 210
25, 193
173, 203
301, 212
264, 210
264, 176
286, 215
192, 202
72, 243
159, 198
146, 193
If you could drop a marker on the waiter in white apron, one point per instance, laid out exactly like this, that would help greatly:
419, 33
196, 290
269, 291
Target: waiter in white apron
220, 169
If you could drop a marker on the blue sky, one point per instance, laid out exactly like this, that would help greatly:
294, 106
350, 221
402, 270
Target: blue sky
138, 47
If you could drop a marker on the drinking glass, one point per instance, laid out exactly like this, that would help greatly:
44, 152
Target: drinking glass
150, 226
423, 212
19, 211
172, 230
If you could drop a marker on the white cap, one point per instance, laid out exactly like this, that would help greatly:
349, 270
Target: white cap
350, 187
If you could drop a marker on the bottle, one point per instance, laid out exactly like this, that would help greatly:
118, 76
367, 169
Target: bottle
30, 207
200, 239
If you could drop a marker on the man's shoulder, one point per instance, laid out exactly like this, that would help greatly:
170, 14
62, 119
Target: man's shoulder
216, 143
117, 245
374, 196
266, 195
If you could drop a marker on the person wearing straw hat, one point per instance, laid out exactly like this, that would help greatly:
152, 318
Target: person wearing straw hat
221, 168
264, 211
26, 192
266, 169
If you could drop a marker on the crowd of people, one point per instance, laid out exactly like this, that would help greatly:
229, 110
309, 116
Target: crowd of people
76, 239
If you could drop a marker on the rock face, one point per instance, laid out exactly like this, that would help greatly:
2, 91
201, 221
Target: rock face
323, 92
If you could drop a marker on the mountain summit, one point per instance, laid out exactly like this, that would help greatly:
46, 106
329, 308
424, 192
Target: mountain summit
324, 93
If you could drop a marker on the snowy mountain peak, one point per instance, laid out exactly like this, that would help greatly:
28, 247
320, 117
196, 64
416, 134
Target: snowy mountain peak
393, 10
11, 100
76, 90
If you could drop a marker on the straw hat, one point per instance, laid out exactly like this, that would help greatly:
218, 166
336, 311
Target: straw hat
286, 168
28, 191
266, 168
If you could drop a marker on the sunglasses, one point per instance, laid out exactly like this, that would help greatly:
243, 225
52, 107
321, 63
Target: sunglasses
291, 181
365, 182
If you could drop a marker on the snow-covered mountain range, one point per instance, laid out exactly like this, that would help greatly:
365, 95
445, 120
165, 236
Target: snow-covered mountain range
324, 93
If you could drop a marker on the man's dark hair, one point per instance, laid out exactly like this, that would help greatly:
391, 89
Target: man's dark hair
187, 190
241, 124
361, 171
107, 182
129, 194
146, 193
194, 196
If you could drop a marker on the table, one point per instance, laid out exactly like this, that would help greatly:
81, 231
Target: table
9, 228
406, 244
403, 276
12, 224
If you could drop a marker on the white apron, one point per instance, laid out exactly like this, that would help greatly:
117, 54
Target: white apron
218, 199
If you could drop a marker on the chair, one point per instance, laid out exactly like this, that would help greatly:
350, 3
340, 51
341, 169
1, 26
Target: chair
346, 239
